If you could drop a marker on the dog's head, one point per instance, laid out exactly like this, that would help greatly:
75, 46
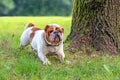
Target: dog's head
54, 34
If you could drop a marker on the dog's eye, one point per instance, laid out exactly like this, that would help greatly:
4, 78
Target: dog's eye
51, 31
60, 31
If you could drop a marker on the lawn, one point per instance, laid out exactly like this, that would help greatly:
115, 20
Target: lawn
16, 64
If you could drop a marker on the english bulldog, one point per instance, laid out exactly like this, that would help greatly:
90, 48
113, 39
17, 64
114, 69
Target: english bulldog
46, 41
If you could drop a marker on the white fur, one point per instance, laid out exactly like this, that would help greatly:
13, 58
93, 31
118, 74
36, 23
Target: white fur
38, 44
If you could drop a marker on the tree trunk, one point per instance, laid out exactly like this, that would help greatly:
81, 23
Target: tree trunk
96, 23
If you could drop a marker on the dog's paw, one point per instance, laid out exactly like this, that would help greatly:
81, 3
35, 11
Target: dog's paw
68, 62
46, 62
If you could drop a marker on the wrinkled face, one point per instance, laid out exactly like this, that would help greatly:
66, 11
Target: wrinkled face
54, 34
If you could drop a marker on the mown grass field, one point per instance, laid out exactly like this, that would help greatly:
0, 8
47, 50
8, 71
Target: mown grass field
25, 65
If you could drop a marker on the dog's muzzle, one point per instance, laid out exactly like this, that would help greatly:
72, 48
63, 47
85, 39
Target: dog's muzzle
57, 36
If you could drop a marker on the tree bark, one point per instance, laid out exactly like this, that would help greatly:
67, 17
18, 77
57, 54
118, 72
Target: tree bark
96, 23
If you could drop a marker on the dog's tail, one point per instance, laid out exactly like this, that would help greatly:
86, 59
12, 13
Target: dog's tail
29, 25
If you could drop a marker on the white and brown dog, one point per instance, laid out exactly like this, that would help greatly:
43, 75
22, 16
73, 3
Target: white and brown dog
47, 41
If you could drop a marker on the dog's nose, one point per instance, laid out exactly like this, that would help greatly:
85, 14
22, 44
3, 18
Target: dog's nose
56, 33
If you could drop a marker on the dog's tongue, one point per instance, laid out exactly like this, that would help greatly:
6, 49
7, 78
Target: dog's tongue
57, 39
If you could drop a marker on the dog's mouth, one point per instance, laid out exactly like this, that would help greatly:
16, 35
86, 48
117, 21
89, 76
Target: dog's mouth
57, 39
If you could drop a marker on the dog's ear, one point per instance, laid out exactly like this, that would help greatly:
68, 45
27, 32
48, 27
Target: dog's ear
62, 30
47, 26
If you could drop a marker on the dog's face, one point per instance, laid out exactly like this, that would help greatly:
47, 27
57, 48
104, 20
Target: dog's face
54, 34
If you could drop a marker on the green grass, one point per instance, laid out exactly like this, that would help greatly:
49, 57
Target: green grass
25, 65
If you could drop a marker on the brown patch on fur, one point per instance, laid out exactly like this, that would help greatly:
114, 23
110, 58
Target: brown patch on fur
30, 25
48, 29
61, 30
34, 29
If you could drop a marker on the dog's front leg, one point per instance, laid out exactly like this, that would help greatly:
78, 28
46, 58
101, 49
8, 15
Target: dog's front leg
61, 56
43, 58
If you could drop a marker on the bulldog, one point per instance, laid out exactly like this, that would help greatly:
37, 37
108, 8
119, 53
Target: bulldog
47, 41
